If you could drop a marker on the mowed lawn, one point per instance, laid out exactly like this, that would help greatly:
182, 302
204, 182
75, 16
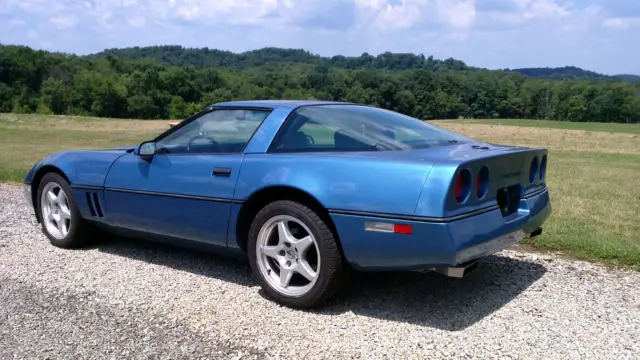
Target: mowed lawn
593, 170
567, 125
25, 139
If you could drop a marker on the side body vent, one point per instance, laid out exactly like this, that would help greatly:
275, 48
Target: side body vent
95, 205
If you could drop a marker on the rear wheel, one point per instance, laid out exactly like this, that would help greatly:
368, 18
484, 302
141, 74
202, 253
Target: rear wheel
58, 212
294, 255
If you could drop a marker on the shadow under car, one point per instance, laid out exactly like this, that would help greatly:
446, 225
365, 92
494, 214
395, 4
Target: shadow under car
424, 299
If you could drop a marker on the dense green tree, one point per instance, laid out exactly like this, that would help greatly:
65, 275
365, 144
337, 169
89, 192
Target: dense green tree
54, 95
147, 83
178, 108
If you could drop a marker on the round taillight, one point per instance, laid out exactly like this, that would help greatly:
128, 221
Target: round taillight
533, 171
543, 168
463, 185
482, 182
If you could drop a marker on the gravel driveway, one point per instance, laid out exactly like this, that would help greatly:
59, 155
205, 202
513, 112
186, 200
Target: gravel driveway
131, 299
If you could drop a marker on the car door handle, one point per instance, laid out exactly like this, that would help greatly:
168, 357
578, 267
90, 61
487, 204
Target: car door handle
221, 172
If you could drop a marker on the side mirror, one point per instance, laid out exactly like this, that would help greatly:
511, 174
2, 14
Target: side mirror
147, 149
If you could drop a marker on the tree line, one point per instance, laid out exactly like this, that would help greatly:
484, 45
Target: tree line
572, 72
122, 87
181, 56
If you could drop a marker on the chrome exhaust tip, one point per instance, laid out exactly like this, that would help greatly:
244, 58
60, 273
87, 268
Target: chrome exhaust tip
457, 271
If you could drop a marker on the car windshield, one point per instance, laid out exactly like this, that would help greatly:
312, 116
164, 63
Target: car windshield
359, 128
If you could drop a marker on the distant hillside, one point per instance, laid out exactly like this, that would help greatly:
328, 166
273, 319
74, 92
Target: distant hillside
112, 86
628, 78
181, 56
572, 72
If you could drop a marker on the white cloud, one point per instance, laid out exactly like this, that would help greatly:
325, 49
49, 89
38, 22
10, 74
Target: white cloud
481, 32
137, 21
541, 9
383, 14
458, 13
403, 14
32, 35
390, 16
616, 23
228, 11
33, 6
17, 23
582, 20
520, 12
621, 23
64, 22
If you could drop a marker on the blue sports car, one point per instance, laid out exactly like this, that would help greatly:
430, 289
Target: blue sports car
307, 190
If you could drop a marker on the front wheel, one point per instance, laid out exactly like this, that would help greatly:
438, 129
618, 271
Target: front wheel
58, 212
294, 255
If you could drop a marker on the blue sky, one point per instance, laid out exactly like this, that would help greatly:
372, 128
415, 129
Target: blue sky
600, 35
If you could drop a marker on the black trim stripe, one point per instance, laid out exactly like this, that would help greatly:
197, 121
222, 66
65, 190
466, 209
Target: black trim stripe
157, 193
179, 196
426, 218
415, 218
535, 193
86, 187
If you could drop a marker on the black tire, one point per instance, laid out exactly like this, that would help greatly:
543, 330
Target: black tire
332, 272
79, 229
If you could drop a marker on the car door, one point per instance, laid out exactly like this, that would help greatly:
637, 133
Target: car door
186, 189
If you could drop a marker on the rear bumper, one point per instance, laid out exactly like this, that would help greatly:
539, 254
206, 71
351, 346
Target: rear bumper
438, 244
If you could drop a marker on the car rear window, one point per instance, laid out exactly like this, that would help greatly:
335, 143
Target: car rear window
357, 128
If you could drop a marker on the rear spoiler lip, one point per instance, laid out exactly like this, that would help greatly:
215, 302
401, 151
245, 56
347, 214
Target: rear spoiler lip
482, 155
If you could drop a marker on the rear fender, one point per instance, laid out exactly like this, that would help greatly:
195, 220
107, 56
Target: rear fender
339, 182
509, 170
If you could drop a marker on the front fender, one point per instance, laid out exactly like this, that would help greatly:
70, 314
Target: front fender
81, 167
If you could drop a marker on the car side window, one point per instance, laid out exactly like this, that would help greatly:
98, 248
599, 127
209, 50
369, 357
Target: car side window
312, 132
217, 131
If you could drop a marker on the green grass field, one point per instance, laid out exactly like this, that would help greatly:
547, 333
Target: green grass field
567, 125
593, 171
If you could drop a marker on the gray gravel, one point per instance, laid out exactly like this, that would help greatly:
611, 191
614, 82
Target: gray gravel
130, 299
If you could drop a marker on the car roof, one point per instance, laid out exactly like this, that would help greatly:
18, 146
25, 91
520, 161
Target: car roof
277, 103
